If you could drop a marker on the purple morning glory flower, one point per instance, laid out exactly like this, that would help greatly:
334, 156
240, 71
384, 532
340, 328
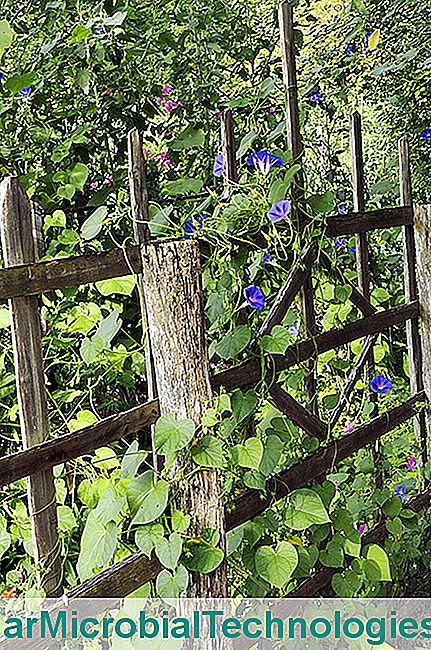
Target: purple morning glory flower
426, 134
349, 49
218, 167
25, 92
380, 384
340, 241
279, 210
254, 297
342, 209
101, 33
293, 330
264, 160
411, 463
349, 427
361, 529
400, 491
352, 249
316, 97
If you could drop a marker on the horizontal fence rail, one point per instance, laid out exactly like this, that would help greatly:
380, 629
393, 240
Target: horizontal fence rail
67, 272
72, 445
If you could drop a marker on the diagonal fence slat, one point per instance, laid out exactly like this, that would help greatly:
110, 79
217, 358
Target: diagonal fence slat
299, 415
249, 372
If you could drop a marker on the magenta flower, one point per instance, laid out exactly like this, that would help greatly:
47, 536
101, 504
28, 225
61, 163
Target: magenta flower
109, 179
411, 463
264, 160
271, 110
381, 385
167, 89
171, 105
159, 100
279, 210
109, 92
361, 529
349, 427
254, 297
94, 185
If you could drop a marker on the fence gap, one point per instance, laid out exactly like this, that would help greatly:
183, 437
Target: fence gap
362, 262
414, 349
20, 246
174, 298
295, 145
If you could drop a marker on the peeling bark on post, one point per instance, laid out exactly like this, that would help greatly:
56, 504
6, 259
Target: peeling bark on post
20, 246
422, 229
173, 291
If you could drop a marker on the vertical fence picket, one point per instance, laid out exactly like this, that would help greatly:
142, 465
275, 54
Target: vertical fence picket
173, 291
362, 256
295, 145
20, 246
228, 148
414, 349
140, 215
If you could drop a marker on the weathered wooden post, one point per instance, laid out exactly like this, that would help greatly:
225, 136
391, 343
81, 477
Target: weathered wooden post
173, 292
20, 246
228, 148
295, 144
414, 349
422, 233
140, 216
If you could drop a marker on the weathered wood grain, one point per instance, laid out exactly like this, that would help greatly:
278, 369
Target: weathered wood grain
362, 222
301, 416
20, 246
414, 348
249, 372
53, 452
295, 144
174, 299
230, 173
140, 216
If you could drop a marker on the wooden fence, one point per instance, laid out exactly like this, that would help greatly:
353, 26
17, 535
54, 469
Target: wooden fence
177, 362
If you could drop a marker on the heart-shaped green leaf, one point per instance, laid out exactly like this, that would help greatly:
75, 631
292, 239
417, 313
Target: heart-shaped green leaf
208, 452
305, 509
169, 550
171, 435
276, 565
147, 497
249, 454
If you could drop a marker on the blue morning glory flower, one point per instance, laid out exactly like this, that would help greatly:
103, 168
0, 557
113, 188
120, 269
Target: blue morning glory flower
1, 75
352, 249
190, 228
254, 297
100, 31
349, 49
294, 330
218, 167
400, 491
367, 35
380, 384
342, 209
340, 241
279, 210
426, 134
316, 97
264, 160
25, 92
